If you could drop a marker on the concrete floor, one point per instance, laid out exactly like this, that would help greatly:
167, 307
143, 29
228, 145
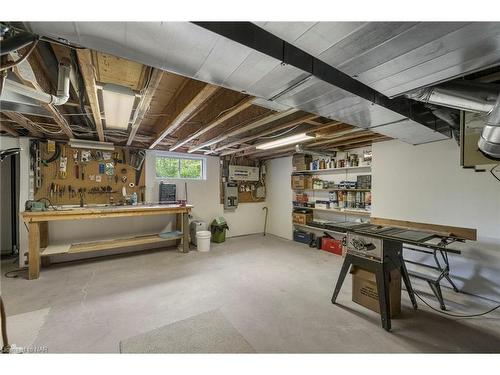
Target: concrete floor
275, 292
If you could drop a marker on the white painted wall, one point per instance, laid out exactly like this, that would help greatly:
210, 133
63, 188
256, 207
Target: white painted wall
204, 195
426, 184
279, 197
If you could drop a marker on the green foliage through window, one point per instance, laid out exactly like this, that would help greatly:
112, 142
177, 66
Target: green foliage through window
169, 167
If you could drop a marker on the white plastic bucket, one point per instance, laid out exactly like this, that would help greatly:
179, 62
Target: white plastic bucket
203, 240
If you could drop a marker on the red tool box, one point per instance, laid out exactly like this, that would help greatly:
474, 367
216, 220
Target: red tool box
331, 245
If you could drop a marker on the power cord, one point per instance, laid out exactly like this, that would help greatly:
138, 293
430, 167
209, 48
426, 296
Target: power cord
441, 311
455, 315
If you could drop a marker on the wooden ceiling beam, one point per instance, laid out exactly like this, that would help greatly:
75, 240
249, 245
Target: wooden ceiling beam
284, 126
314, 122
25, 71
261, 153
242, 129
241, 106
144, 103
88, 74
364, 144
339, 136
192, 96
327, 128
366, 138
7, 128
25, 123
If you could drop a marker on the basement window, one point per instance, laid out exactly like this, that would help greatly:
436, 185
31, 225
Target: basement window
183, 168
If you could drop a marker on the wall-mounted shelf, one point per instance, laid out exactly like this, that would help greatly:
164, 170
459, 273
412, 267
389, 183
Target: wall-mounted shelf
354, 190
332, 170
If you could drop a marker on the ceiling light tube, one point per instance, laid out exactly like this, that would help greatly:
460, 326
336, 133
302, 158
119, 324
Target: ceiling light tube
93, 145
284, 141
118, 104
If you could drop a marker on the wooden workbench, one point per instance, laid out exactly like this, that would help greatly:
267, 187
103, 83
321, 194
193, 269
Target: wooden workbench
39, 237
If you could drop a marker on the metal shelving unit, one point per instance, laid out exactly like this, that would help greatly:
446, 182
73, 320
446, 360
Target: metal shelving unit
345, 212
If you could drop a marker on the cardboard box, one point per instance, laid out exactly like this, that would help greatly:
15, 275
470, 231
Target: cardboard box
364, 290
331, 245
301, 182
300, 218
301, 162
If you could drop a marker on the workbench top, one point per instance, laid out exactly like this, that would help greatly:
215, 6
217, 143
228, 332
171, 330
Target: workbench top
71, 212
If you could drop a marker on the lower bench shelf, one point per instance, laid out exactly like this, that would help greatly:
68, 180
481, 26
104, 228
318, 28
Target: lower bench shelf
106, 244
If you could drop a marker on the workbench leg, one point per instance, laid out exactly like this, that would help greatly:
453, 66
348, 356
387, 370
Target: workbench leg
44, 234
383, 297
34, 251
343, 273
185, 233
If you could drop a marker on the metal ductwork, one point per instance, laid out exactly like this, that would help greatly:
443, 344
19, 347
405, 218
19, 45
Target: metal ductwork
61, 96
472, 97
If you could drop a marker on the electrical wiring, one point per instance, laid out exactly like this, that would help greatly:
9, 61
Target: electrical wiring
7, 274
444, 312
456, 315
282, 133
46, 130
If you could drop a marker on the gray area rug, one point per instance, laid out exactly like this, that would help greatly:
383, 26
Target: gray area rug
209, 332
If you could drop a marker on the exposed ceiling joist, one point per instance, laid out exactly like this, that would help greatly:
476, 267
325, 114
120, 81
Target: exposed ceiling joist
284, 126
241, 106
359, 140
4, 127
24, 122
185, 104
364, 144
313, 122
245, 128
24, 71
342, 136
88, 75
328, 126
144, 103
265, 153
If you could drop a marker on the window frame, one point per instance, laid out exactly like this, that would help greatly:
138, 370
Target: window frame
179, 157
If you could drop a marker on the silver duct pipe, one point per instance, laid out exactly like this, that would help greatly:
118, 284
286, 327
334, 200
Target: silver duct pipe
489, 142
60, 98
472, 97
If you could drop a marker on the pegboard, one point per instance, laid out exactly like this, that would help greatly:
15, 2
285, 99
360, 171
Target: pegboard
50, 174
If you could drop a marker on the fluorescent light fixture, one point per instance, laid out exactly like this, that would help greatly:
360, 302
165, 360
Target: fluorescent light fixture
83, 143
118, 105
284, 141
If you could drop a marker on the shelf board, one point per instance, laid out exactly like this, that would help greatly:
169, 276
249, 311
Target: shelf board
105, 244
319, 229
337, 211
354, 190
332, 170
